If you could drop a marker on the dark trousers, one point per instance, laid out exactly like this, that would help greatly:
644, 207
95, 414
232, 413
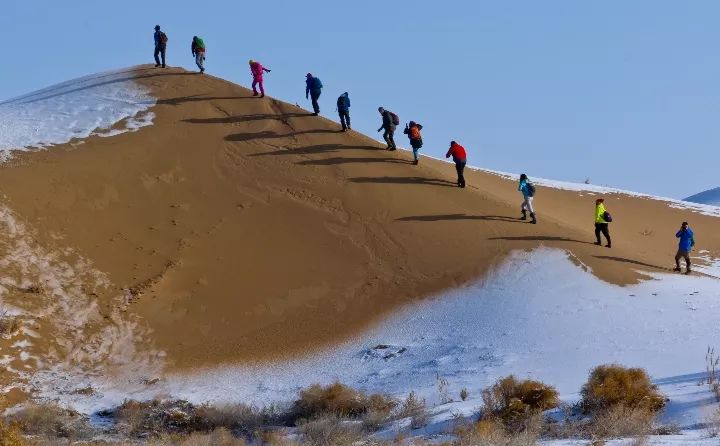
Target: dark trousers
682, 255
160, 51
389, 137
344, 118
604, 229
460, 167
314, 96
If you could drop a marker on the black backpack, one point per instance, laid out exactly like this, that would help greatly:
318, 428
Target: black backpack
531, 189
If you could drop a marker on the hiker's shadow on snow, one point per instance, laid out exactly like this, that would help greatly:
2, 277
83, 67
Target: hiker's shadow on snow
403, 180
457, 217
312, 150
633, 262
246, 118
239, 137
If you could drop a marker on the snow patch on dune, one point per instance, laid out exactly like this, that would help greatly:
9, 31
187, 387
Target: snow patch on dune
105, 104
520, 319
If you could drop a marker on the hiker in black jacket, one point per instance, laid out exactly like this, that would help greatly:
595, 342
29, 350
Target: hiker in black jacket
343, 108
313, 86
160, 46
389, 126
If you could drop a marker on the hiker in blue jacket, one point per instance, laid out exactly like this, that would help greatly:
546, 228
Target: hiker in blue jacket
687, 241
528, 191
160, 46
343, 108
313, 86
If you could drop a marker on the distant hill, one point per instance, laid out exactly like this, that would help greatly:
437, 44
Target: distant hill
711, 197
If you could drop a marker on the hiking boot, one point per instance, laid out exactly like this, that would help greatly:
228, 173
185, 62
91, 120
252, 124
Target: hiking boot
157, 65
315, 113
688, 271
202, 70
608, 245
415, 162
255, 93
262, 95
534, 220
524, 215
677, 269
598, 243
164, 66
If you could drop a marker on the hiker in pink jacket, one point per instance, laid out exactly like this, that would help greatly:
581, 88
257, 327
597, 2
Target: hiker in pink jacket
257, 71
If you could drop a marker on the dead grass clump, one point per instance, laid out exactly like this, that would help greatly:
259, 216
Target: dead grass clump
10, 435
514, 402
414, 407
492, 432
49, 420
330, 430
157, 417
218, 437
613, 385
240, 418
340, 400
9, 324
622, 422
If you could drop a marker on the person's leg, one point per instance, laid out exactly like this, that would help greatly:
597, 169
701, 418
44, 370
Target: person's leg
254, 87
386, 137
347, 119
316, 106
391, 133
606, 233
341, 114
199, 56
523, 209
460, 167
678, 256
415, 155
157, 56
262, 88
162, 54
686, 255
597, 234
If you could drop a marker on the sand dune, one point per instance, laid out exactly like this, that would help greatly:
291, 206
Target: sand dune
238, 228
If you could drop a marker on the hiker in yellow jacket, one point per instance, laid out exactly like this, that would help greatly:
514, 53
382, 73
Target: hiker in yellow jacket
602, 222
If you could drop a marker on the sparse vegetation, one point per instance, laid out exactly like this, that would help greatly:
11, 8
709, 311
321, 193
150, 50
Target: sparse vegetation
414, 407
464, 394
443, 387
712, 360
512, 402
330, 430
9, 324
339, 399
610, 386
493, 433
10, 435
48, 420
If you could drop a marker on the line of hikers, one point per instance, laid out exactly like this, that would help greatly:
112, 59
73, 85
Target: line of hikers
390, 121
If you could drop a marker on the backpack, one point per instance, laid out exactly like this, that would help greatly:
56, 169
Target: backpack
163, 39
607, 217
395, 118
531, 189
316, 84
414, 133
199, 42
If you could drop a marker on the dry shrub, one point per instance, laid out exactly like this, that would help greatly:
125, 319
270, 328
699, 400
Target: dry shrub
10, 435
49, 420
240, 418
622, 422
414, 407
464, 394
330, 430
340, 400
158, 417
218, 437
9, 324
273, 438
613, 385
514, 402
492, 432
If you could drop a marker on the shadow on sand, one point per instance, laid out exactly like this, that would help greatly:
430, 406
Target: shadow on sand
456, 217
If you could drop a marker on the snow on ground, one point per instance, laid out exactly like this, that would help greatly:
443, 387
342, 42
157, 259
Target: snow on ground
539, 315
75, 109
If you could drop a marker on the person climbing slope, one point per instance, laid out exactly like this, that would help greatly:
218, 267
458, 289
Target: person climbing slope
161, 41
197, 47
389, 122
343, 108
459, 156
687, 241
313, 86
412, 130
528, 191
602, 223
257, 71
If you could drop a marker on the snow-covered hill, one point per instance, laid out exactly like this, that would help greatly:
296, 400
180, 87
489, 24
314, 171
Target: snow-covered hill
711, 197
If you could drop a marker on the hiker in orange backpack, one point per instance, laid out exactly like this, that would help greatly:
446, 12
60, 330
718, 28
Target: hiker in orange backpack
257, 71
412, 130
161, 40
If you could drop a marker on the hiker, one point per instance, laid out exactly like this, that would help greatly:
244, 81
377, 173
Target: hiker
528, 191
197, 47
687, 241
257, 71
313, 86
343, 108
412, 130
460, 158
602, 223
389, 121
160, 46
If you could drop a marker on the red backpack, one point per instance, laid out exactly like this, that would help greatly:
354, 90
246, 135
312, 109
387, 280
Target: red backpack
163, 38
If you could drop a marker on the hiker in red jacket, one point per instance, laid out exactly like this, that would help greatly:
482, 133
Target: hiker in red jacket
257, 71
460, 158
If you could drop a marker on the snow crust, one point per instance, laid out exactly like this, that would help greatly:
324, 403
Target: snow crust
77, 109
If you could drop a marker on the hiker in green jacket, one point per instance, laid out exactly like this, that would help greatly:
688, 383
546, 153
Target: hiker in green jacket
198, 51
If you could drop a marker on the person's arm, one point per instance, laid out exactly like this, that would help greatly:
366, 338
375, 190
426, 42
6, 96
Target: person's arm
679, 233
407, 129
307, 89
449, 152
267, 70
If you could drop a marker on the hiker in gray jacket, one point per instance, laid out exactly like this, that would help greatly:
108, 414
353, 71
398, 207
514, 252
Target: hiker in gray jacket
389, 126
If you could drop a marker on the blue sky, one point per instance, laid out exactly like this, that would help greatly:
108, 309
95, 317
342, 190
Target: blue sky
624, 93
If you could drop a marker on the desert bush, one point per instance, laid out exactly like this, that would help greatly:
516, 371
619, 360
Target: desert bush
464, 394
329, 430
218, 437
492, 432
9, 324
514, 402
10, 435
613, 385
239, 418
414, 407
622, 422
158, 417
49, 420
340, 400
